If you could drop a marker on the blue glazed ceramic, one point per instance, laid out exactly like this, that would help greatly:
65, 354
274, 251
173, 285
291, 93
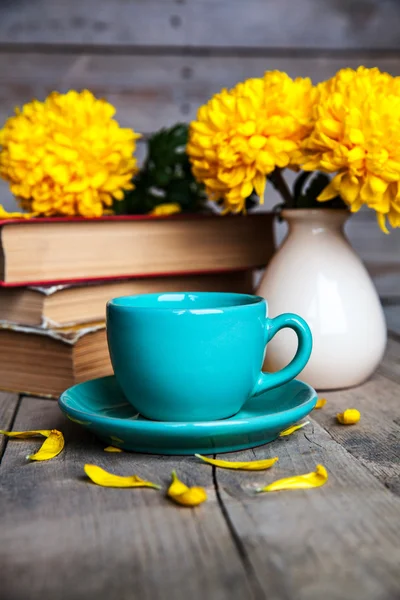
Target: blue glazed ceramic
101, 407
196, 356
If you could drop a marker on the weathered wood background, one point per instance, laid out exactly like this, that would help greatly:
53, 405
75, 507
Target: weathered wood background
158, 60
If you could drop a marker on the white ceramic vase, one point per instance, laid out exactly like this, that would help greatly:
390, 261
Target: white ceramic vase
317, 274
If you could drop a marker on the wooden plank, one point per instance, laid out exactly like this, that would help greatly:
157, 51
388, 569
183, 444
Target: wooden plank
340, 541
392, 314
386, 276
381, 252
8, 408
336, 542
150, 92
375, 441
390, 366
116, 543
219, 23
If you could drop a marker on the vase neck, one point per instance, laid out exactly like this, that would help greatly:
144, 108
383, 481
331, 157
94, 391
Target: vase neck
316, 219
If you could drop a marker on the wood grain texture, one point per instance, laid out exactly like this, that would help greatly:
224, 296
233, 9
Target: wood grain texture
335, 542
390, 366
385, 273
220, 23
8, 407
392, 314
65, 538
380, 252
150, 92
375, 441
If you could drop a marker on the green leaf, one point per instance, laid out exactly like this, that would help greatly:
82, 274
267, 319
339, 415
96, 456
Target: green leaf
166, 176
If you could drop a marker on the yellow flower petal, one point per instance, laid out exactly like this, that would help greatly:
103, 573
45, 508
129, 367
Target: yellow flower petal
299, 482
105, 479
349, 189
328, 193
246, 189
349, 416
378, 186
259, 185
50, 448
168, 208
193, 497
177, 486
184, 495
4, 214
381, 218
320, 403
252, 465
112, 449
26, 434
292, 429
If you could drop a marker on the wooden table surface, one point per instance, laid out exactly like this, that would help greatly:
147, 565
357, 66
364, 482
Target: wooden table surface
62, 537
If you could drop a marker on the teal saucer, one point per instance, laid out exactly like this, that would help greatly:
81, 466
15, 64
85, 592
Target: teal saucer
100, 406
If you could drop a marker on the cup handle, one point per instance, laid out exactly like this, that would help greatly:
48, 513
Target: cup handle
268, 381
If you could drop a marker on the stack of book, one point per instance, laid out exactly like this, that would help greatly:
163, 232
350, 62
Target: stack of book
56, 276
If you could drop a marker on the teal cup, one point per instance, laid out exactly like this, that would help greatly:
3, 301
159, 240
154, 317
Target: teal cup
196, 356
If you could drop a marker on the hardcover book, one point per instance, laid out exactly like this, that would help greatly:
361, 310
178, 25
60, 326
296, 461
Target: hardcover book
60, 250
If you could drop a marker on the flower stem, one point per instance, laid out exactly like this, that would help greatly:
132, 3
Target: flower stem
281, 186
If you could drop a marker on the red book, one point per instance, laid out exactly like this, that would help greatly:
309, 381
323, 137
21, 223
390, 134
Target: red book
75, 250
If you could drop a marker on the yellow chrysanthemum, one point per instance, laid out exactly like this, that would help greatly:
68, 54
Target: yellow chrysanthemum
356, 135
242, 134
67, 155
